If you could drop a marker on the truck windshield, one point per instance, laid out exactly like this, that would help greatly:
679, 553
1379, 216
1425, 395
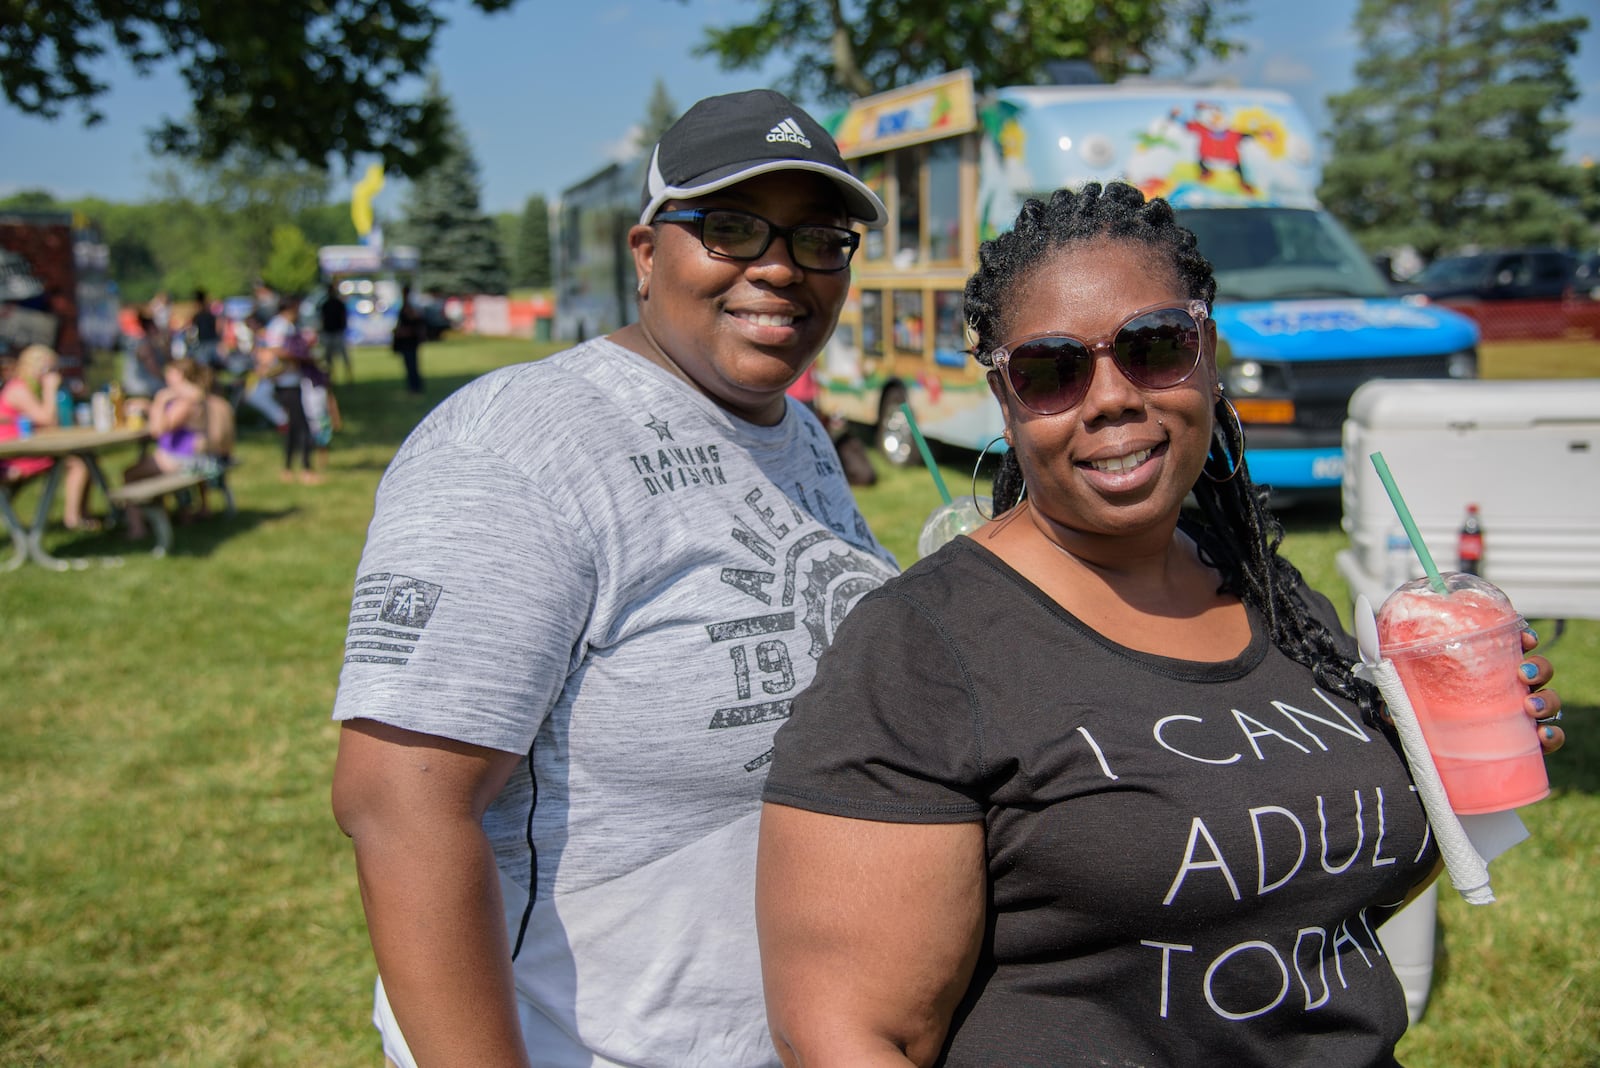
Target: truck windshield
1281, 254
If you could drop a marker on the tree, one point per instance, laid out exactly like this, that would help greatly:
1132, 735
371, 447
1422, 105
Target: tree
31, 200
1589, 202
292, 267
844, 48
240, 199
660, 113
531, 250
1451, 136
458, 246
293, 79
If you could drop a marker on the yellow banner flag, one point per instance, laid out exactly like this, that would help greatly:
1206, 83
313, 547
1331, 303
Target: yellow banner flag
361, 197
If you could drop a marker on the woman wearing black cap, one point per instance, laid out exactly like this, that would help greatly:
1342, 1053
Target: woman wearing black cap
591, 588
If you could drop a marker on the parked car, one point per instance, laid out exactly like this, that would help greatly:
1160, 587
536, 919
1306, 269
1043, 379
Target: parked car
1511, 294
1513, 274
1586, 277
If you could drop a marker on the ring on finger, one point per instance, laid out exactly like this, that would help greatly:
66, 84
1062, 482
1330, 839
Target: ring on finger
1554, 717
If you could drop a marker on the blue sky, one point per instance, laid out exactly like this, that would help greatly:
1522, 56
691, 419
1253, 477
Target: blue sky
548, 92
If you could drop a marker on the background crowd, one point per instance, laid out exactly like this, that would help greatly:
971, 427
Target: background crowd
269, 361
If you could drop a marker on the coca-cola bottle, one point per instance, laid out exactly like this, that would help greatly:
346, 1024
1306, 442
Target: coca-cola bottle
1469, 544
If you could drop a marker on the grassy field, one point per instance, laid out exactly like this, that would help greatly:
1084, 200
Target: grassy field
173, 888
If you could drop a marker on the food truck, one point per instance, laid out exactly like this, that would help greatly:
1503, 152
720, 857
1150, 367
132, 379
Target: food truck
368, 278
594, 273
1303, 316
55, 287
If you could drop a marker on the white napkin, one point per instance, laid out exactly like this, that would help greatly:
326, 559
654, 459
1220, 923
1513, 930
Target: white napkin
1468, 843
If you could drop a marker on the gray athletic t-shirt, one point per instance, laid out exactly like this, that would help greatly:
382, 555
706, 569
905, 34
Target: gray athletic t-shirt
586, 561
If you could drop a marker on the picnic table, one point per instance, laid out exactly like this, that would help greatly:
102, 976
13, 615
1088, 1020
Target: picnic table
27, 540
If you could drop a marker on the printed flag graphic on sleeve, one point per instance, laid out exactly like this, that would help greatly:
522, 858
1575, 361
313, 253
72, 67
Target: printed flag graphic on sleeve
387, 617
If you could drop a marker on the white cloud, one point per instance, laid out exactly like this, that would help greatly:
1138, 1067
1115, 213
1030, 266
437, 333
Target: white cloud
625, 147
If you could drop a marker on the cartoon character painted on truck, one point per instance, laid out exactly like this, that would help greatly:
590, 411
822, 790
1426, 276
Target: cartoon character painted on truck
1303, 316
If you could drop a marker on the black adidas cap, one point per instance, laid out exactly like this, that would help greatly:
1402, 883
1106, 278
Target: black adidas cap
725, 140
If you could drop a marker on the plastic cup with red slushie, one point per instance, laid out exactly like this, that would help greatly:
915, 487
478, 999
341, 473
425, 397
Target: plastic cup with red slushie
1458, 655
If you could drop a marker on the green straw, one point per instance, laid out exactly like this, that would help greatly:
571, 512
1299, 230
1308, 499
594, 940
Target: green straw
1410, 524
927, 453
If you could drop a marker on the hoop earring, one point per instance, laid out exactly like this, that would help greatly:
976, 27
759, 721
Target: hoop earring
1224, 443
977, 466
643, 288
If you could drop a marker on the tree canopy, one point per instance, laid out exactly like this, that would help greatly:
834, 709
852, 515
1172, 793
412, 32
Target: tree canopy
319, 80
1452, 134
845, 48
292, 266
293, 79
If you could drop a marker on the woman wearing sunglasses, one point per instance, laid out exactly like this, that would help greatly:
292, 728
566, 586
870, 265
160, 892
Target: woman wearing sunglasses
591, 589
1094, 785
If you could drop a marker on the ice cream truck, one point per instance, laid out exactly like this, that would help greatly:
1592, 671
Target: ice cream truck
1303, 315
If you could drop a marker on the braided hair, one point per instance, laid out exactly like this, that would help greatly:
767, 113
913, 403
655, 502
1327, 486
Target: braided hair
1240, 535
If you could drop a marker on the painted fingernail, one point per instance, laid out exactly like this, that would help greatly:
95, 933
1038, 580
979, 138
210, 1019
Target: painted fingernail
1530, 671
1538, 703
1531, 633
1549, 733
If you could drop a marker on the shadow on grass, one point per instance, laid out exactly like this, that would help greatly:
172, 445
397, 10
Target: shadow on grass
196, 537
1576, 765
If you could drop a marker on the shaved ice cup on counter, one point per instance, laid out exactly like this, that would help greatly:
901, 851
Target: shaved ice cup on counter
1458, 654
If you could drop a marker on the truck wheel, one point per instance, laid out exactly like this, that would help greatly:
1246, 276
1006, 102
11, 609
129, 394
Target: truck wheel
894, 430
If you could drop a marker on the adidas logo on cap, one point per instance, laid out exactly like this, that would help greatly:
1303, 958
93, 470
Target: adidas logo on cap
789, 130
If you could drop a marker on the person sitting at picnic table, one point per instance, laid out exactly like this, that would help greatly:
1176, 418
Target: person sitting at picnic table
178, 420
30, 393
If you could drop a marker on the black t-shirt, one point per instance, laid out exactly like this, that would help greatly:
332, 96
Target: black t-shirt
205, 325
1187, 861
335, 316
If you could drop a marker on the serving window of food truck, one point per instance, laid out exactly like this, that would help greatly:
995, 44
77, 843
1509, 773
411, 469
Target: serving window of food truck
921, 185
902, 324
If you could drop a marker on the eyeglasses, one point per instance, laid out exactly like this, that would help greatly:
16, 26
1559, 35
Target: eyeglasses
1155, 348
739, 235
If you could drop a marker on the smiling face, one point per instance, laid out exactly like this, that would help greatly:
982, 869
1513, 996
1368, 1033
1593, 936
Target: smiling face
1122, 460
741, 331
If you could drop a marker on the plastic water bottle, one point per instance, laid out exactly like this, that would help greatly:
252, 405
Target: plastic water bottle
100, 410
65, 409
1469, 543
1399, 560
24, 427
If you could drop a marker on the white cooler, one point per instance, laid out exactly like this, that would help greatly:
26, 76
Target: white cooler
1528, 455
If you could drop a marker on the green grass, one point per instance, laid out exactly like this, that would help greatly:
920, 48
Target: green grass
173, 890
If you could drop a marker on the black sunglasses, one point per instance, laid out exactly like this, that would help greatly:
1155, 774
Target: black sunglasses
739, 235
1155, 348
